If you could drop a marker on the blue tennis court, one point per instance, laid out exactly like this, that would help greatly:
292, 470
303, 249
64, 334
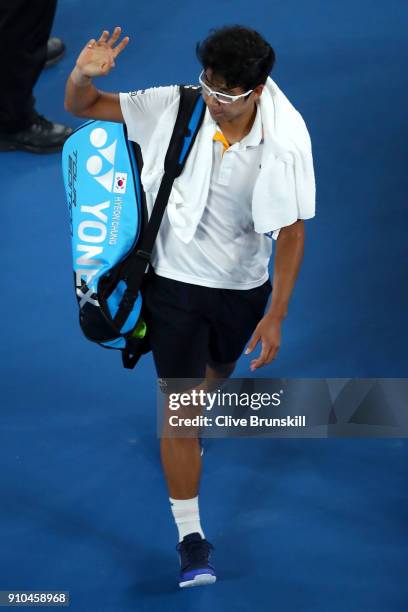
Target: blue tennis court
311, 525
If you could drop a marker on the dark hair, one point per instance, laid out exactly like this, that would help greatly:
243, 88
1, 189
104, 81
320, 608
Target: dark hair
237, 54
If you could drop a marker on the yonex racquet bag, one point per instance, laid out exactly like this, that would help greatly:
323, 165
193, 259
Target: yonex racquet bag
112, 237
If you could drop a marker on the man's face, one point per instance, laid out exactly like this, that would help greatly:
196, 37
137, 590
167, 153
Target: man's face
227, 112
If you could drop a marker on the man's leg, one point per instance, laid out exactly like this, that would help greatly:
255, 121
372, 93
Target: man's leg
181, 458
217, 371
177, 316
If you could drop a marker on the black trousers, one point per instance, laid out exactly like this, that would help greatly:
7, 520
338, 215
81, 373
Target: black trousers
25, 26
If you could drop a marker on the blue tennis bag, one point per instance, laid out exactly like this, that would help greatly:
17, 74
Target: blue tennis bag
112, 235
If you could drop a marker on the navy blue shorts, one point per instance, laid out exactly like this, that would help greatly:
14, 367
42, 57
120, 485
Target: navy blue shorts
192, 326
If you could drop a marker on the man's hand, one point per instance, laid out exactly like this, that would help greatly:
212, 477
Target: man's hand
288, 257
97, 58
268, 331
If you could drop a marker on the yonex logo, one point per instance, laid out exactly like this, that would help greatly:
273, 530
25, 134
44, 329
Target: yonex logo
93, 226
92, 229
94, 164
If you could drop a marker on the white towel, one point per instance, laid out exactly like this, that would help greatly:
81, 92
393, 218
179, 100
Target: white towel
284, 190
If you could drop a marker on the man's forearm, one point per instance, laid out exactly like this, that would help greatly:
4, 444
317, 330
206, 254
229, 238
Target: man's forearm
288, 258
80, 93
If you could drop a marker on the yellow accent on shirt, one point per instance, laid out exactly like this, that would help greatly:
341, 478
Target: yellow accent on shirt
219, 137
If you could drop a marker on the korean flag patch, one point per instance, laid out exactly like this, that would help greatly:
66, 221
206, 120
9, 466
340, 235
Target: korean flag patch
119, 185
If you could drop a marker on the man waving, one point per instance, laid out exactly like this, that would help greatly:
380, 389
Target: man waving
210, 285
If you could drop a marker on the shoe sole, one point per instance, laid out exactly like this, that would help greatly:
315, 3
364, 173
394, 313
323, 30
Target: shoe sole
200, 580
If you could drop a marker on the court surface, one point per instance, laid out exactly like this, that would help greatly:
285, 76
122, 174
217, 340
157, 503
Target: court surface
309, 525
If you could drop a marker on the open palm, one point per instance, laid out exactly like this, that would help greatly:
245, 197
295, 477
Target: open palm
97, 58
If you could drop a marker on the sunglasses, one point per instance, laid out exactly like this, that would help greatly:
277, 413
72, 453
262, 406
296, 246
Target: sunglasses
220, 97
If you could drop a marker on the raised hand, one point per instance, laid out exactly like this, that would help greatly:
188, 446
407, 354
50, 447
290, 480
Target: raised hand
97, 58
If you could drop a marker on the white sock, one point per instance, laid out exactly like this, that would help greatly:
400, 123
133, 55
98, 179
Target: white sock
187, 516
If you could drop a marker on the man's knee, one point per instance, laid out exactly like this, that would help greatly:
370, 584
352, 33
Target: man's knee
220, 370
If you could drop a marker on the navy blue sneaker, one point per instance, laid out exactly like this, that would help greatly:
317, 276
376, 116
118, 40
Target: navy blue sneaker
195, 569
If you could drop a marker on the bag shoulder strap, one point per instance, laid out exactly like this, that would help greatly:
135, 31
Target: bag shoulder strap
188, 122
189, 118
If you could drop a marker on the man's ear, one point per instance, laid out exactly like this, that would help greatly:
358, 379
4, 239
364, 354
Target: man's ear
258, 90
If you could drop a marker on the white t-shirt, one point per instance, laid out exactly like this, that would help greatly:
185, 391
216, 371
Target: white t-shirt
225, 251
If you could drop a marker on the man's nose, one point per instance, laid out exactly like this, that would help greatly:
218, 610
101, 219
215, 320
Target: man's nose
212, 102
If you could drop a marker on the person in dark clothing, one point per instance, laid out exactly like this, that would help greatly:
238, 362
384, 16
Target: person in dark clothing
25, 28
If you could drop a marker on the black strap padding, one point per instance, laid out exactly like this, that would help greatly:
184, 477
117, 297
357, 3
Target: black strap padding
188, 100
137, 264
139, 163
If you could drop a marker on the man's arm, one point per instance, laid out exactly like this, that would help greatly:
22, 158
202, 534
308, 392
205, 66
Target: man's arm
97, 58
288, 258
